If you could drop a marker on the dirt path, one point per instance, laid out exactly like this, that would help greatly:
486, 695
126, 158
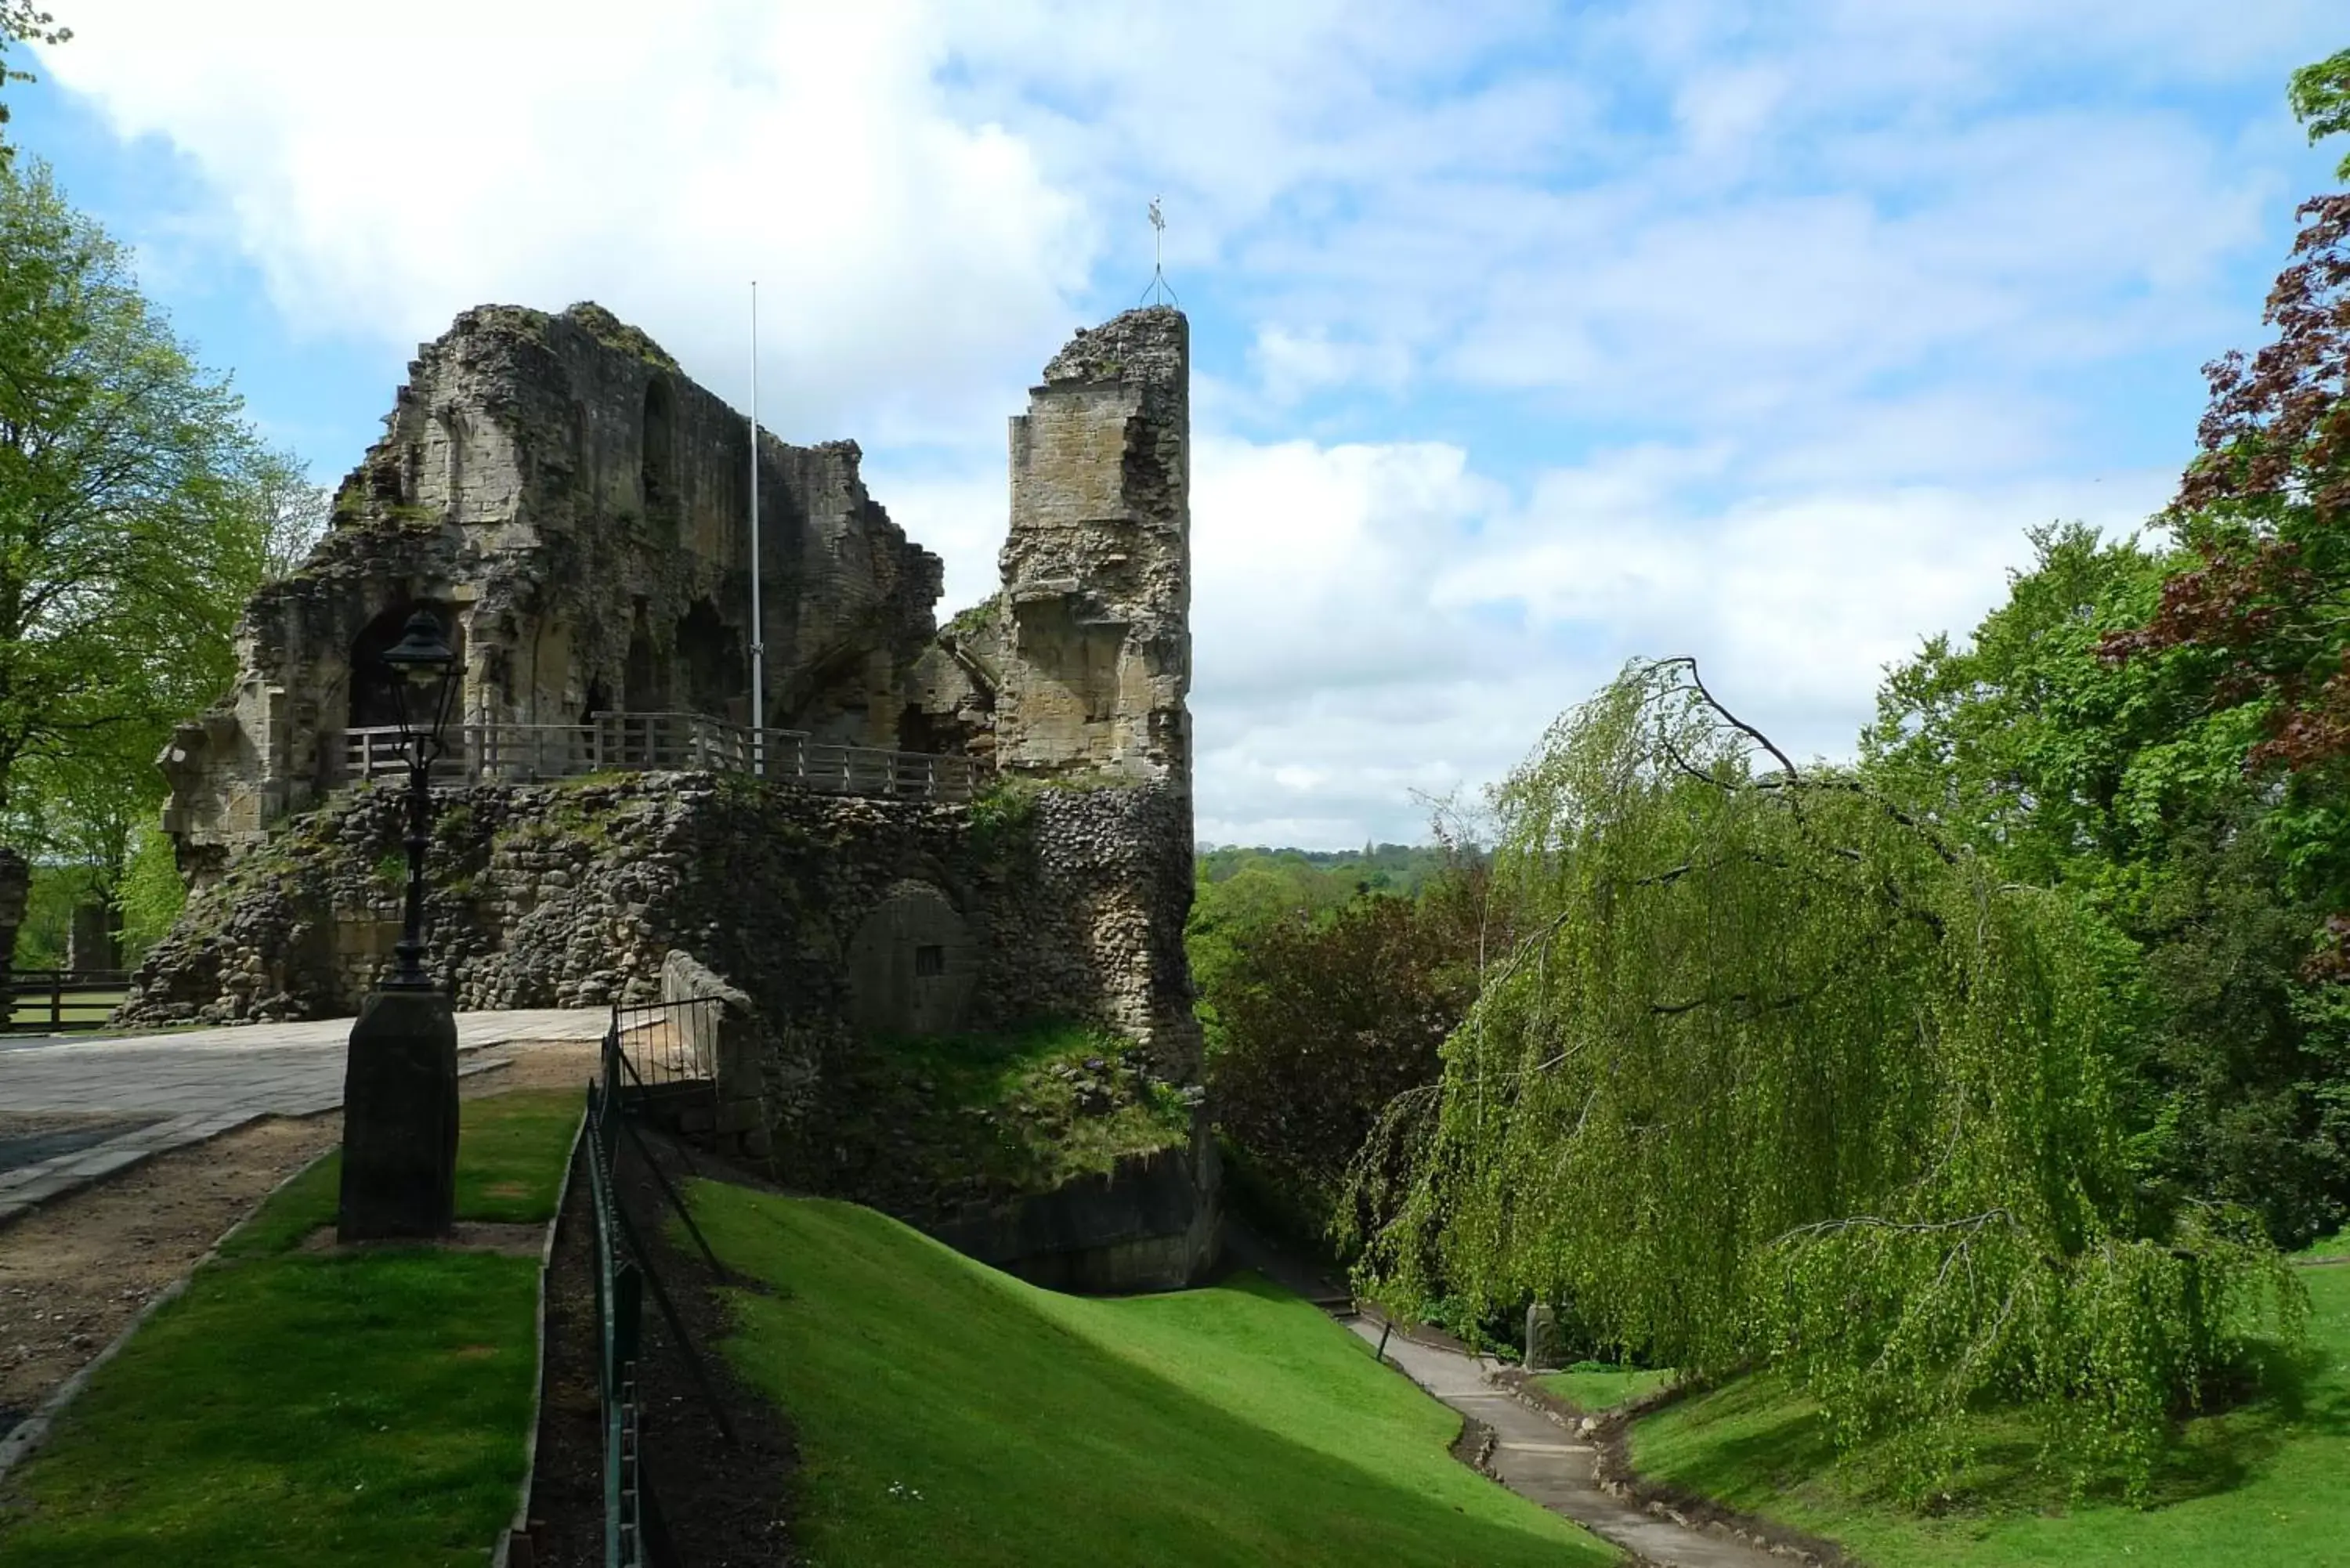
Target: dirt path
73, 1272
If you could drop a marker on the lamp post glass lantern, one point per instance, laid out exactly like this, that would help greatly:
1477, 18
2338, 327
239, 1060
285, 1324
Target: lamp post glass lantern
425, 670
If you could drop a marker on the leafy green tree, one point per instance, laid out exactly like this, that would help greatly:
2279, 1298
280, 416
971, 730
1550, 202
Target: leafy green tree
1323, 1019
2320, 97
2123, 785
290, 510
20, 24
1779, 1074
135, 515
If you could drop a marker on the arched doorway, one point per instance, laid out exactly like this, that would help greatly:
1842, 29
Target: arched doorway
375, 702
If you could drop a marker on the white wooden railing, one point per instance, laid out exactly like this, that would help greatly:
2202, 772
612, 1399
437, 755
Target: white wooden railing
516, 753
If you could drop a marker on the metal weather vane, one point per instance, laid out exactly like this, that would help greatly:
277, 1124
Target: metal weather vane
1159, 284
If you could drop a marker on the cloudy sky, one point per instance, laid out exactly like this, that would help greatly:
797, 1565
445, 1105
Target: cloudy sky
1528, 338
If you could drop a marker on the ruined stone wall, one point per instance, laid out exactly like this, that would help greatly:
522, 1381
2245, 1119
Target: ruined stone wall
577, 511
1063, 903
1096, 567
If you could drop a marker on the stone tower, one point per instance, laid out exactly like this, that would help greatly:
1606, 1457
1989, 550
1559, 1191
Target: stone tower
1097, 567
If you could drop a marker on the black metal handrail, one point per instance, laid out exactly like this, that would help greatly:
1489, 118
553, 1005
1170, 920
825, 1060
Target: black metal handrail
634, 1533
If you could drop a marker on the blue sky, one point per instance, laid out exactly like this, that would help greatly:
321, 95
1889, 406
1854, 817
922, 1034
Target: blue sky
1528, 338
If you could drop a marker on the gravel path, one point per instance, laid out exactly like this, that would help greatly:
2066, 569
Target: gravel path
1540, 1460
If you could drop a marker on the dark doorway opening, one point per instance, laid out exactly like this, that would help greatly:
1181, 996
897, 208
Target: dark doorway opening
710, 656
375, 699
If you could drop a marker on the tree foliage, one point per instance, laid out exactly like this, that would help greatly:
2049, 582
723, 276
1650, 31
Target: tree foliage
2123, 785
1779, 1074
21, 23
1323, 1019
136, 510
2320, 97
2263, 600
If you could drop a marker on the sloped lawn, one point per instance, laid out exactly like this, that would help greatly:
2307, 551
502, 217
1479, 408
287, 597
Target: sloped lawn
950, 1416
2264, 1484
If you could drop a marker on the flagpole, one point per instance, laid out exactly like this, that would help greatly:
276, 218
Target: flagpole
758, 622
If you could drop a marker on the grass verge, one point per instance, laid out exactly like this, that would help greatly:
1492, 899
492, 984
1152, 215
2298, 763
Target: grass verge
295, 1407
950, 1415
1594, 1387
2258, 1485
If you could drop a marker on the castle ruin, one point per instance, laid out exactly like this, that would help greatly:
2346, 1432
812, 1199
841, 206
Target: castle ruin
927, 831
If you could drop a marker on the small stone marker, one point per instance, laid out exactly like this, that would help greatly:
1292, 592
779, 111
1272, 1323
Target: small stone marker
1542, 1337
399, 1119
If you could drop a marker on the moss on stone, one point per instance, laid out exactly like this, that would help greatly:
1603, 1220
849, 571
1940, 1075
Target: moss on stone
921, 1125
978, 621
614, 333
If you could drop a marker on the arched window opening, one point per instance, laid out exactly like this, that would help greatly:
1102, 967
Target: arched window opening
659, 448
375, 699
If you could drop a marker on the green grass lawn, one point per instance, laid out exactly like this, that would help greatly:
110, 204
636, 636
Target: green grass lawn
2263, 1484
296, 1408
950, 1416
2334, 1246
1592, 1388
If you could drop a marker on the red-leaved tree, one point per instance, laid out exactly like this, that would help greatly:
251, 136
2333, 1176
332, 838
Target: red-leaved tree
2265, 507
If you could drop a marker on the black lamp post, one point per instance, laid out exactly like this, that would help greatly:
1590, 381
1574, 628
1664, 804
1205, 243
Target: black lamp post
425, 670
399, 1081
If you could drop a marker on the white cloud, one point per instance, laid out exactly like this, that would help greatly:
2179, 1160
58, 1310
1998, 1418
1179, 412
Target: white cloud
1375, 625
389, 167
1817, 292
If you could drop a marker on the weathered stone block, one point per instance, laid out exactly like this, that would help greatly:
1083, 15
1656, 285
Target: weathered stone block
399, 1119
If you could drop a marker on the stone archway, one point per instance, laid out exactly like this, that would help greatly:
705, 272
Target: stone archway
375, 702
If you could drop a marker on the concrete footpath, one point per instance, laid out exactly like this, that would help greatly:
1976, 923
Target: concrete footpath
151, 1092
1543, 1461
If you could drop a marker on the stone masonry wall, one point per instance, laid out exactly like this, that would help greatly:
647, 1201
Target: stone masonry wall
575, 895
1096, 564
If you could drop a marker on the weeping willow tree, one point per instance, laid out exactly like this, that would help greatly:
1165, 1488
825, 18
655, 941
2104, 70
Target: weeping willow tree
1781, 1079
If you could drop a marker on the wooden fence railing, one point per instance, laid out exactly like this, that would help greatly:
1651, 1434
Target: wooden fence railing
53, 1000
516, 753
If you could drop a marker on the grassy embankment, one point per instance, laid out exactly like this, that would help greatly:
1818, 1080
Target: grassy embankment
296, 1407
1594, 1386
2257, 1485
950, 1415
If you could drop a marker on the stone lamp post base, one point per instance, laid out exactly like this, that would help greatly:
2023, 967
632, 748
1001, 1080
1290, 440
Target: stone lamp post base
399, 1119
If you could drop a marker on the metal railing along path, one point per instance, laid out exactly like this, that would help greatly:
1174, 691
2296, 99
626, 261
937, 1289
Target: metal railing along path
635, 1535
520, 753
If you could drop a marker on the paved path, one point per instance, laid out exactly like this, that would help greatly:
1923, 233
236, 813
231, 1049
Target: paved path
191, 1086
1540, 1460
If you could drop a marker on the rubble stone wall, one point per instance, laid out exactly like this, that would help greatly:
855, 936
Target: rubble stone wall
1097, 566
576, 895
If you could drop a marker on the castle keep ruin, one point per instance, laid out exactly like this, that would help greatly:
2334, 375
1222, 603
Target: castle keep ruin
995, 827
578, 512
